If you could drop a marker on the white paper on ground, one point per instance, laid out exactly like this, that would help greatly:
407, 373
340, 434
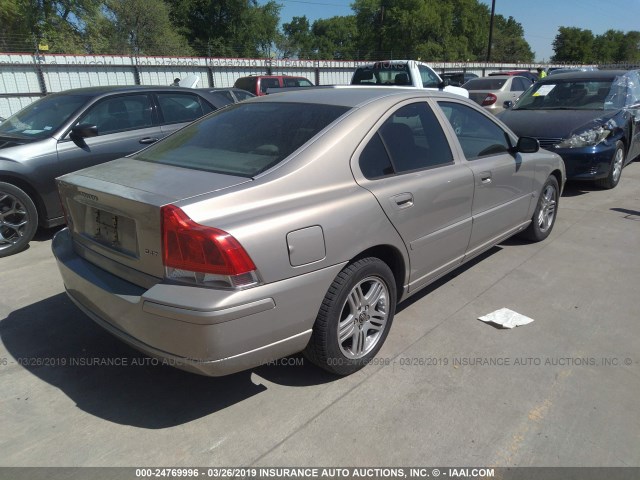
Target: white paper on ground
507, 318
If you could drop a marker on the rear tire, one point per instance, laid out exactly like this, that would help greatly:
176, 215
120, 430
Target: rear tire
18, 219
615, 170
544, 217
355, 317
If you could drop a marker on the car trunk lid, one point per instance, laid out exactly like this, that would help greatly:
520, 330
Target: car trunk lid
114, 212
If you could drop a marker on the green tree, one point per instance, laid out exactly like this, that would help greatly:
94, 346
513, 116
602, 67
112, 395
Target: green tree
227, 27
470, 32
630, 48
335, 38
509, 44
606, 47
17, 18
573, 44
456, 30
296, 40
143, 27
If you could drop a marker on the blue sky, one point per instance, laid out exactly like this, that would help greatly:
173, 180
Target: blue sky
539, 18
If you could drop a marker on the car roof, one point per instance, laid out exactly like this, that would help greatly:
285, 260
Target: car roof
272, 76
586, 75
106, 89
350, 95
496, 77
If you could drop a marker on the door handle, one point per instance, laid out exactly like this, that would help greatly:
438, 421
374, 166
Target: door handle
485, 177
148, 140
403, 200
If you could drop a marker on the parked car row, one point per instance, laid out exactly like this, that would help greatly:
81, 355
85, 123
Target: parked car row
71, 130
297, 221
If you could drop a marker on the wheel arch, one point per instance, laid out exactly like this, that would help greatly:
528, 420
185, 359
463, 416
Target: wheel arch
24, 185
558, 175
394, 260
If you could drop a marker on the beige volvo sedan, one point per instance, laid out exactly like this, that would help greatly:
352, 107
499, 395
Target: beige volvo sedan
296, 222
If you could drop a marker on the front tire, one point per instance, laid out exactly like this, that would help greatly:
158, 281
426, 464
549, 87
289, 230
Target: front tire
615, 170
355, 317
18, 219
544, 217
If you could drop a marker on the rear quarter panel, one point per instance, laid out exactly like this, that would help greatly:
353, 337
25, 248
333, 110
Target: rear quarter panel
314, 187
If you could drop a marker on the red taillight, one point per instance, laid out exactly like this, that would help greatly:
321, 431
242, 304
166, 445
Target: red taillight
191, 247
490, 99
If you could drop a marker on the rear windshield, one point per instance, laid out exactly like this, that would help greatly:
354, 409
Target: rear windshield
383, 73
485, 84
244, 139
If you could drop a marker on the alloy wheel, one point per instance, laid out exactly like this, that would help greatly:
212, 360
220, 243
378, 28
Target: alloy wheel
14, 219
363, 318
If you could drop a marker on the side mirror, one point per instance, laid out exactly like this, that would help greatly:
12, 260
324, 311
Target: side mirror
442, 85
527, 145
507, 105
84, 130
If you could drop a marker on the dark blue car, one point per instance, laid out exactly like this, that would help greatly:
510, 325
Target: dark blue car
590, 119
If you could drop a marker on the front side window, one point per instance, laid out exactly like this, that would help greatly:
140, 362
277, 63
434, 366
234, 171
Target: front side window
43, 117
244, 139
478, 135
116, 114
410, 139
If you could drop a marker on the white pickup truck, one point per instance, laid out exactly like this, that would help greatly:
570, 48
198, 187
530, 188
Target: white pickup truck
402, 73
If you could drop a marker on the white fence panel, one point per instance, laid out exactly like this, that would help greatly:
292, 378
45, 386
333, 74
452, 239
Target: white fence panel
58, 78
24, 78
9, 106
18, 79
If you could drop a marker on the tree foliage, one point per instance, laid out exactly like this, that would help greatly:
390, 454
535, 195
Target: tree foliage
573, 44
227, 27
433, 30
581, 46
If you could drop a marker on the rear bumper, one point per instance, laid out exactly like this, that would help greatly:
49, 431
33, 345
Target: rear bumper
206, 331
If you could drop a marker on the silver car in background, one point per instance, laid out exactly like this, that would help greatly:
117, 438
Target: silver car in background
296, 222
491, 92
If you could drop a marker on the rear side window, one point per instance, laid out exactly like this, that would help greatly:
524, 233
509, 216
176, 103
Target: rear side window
247, 83
244, 139
241, 95
267, 83
519, 84
296, 82
410, 139
182, 107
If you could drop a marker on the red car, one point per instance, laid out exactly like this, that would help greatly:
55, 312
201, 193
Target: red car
259, 84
